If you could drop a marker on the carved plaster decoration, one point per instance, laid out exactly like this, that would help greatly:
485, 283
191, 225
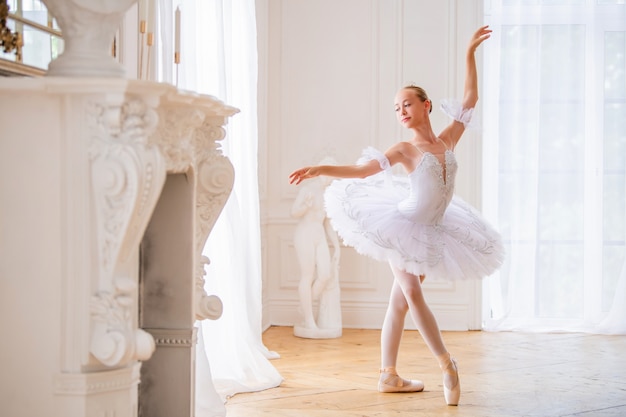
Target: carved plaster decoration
175, 136
207, 306
189, 140
127, 176
94, 383
114, 340
216, 177
174, 337
88, 29
215, 180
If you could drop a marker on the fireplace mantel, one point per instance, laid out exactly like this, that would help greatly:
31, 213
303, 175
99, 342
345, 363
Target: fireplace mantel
109, 190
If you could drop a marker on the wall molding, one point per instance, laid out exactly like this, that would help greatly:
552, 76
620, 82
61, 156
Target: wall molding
370, 315
401, 45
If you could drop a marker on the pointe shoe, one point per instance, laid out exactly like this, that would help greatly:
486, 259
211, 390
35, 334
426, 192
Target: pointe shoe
451, 394
389, 381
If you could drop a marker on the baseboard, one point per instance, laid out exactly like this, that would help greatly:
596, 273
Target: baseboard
370, 316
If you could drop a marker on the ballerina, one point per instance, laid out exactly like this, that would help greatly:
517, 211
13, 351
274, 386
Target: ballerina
414, 223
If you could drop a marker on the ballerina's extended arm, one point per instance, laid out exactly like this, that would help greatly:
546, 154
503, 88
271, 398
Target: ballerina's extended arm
338, 171
453, 132
470, 96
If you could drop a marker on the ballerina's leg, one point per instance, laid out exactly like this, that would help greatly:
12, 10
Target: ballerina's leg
391, 335
420, 312
426, 323
393, 327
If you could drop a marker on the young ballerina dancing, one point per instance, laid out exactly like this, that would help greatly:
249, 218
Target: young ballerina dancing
414, 222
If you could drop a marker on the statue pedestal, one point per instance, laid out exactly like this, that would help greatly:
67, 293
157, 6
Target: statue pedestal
328, 317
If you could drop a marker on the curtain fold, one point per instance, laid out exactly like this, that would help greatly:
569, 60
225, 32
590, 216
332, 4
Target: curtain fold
219, 58
555, 157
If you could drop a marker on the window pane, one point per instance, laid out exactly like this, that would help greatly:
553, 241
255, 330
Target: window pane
612, 263
614, 136
560, 207
39, 46
614, 178
561, 136
542, 159
559, 283
614, 207
518, 133
614, 65
562, 62
518, 206
552, 123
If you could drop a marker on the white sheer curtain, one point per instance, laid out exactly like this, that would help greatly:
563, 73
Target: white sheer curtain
219, 57
555, 157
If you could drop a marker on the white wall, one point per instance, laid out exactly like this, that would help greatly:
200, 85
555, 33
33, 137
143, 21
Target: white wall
329, 70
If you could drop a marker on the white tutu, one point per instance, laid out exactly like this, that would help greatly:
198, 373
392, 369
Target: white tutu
414, 222
365, 215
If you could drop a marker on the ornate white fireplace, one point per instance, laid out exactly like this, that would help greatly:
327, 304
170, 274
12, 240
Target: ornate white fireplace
109, 190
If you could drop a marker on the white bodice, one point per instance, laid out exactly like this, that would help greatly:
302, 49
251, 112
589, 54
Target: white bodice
430, 193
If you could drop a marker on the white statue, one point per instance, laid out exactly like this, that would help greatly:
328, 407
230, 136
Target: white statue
319, 279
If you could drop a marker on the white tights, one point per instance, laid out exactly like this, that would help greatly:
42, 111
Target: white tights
407, 296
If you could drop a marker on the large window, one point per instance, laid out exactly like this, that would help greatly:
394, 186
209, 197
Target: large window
39, 37
555, 158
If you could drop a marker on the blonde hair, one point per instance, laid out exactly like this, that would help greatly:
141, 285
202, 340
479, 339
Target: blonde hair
421, 94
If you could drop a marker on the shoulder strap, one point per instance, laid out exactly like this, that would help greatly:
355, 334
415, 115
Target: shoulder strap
416, 147
444, 144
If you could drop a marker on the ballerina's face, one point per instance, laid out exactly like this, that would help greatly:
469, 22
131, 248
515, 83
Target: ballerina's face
410, 109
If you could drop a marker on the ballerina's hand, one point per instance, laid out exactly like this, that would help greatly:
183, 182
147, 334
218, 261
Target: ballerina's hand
480, 35
302, 174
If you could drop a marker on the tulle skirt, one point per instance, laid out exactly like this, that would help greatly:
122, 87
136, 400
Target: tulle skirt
365, 214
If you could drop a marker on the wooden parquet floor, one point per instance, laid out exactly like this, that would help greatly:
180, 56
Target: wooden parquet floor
502, 375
